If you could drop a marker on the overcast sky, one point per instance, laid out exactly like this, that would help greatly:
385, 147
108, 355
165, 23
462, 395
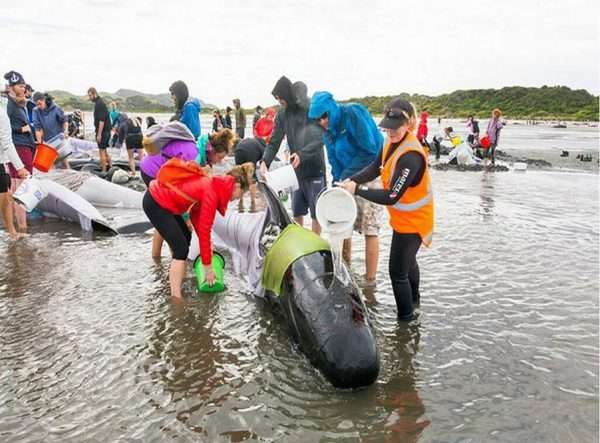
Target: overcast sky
239, 48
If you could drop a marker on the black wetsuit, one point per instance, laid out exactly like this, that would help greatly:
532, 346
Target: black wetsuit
403, 266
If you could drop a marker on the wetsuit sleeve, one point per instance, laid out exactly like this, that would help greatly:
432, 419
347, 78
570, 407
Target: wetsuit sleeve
408, 169
202, 219
275, 141
371, 172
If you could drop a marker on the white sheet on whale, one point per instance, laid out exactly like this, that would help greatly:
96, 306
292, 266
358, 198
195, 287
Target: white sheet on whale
66, 205
240, 234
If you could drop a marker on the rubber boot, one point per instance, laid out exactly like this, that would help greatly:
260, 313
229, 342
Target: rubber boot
404, 299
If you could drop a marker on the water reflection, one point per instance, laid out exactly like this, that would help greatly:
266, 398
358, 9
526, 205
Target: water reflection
486, 193
400, 397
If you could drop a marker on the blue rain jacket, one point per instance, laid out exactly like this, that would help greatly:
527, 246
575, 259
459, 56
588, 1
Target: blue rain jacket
190, 116
352, 139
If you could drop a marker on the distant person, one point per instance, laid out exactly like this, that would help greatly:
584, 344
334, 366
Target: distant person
257, 116
76, 125
133, 141
187, 109
22, 136
102, 126
217, 123
227, 118
202, 196
30, 103
305, 140
422, 132
407, 194
150, 121
114, 122
353, 142
240, 119
8, 153
49, 121
473, 128
493, 132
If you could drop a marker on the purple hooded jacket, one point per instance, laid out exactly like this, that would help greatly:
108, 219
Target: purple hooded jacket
183, 149
493, 130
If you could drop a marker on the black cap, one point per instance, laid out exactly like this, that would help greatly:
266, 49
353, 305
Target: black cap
396, 113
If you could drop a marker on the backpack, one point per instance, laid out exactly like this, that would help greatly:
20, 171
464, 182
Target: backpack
176, 170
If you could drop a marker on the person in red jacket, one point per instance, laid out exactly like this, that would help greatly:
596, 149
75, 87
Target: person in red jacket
422, 131
202, 196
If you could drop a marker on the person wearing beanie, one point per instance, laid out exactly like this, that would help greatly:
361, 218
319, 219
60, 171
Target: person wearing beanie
22, 136
187, 109
102, 126
407, 194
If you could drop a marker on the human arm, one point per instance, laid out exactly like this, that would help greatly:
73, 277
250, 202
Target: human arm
6, 143
408, 168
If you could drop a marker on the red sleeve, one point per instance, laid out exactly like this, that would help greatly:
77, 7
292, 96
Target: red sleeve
203, 217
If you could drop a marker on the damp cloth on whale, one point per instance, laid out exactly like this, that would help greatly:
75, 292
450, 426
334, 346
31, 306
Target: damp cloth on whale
293, 242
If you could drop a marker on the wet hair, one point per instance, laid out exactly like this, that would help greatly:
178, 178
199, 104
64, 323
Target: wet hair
243, 174
180, 90
222, 141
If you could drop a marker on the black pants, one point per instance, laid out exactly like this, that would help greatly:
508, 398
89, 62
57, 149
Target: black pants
171, 227
492, 153
240, 132
4, 180
404, 272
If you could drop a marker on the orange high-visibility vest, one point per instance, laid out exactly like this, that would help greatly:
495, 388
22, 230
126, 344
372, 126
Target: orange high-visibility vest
413, 213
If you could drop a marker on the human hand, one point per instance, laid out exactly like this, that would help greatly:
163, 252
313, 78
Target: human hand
23, 173
349, 186
209, 275
295, 160
25, 128
98, 138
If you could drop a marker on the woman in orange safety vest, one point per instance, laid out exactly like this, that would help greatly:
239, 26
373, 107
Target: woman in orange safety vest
407, 193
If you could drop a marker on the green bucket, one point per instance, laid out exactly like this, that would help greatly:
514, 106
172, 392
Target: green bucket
218, 265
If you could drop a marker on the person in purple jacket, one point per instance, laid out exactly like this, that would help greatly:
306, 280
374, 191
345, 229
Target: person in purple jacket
163, 142
493, 132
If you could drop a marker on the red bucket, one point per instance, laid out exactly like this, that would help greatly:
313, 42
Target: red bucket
44, 157
484, 142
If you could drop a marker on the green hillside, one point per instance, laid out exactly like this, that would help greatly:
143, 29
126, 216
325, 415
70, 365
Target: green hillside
545, 103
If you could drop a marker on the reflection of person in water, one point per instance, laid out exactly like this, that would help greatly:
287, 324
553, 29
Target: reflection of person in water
402, 399
487, 196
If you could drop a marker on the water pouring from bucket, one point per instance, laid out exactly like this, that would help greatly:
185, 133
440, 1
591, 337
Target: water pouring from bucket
336, 212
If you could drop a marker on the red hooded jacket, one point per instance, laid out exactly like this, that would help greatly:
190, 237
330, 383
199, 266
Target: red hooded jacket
211, 194
422, 131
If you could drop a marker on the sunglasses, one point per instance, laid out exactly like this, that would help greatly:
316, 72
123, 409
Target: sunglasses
396, 113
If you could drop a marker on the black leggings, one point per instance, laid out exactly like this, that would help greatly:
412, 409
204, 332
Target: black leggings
171, 227
404, 272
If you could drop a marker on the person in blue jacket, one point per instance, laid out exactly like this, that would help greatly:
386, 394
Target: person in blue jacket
187, 109
353, 141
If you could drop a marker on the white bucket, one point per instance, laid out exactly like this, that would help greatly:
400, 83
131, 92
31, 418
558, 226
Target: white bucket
282, 179
30, 193
62, 145
336, 212
520, 166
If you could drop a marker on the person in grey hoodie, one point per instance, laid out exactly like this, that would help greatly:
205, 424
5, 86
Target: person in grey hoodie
305, 140
8, 153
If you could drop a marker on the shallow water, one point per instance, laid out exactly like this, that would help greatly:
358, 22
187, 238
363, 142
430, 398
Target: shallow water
505, 347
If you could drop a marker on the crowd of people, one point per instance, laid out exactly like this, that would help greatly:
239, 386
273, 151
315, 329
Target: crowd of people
186, 188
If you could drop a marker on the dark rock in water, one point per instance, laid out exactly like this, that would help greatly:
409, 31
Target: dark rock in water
469, 168
564, 154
